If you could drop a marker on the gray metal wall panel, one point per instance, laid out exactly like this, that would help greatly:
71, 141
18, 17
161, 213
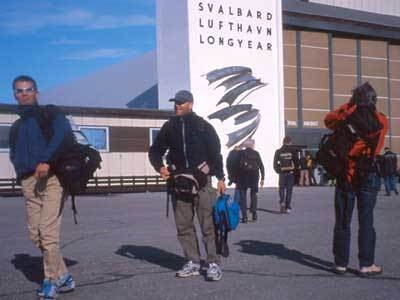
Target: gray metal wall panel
387, 7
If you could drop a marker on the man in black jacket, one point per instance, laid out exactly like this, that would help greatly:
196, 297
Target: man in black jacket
285, 164
193, 145
389, 171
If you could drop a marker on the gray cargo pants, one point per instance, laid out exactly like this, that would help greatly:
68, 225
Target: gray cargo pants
184, 211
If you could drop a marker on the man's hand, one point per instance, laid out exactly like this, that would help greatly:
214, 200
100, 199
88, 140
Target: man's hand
164, 173
221, 187
262, 182
42, 170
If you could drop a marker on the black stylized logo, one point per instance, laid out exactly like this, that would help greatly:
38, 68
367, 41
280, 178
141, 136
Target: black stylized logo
238, 82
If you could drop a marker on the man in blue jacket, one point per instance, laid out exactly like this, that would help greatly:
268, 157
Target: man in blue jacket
193, 146
31, 153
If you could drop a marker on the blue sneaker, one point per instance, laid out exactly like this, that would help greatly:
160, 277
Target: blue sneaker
65, 283
48, 290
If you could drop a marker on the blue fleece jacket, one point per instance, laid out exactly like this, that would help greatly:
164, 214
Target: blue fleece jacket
31, 146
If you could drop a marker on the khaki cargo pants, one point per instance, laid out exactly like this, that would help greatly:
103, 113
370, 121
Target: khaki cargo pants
44, 222
184, 212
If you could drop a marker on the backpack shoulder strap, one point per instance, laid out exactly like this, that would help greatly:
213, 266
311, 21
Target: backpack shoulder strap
45, 119
74, 210
50, 111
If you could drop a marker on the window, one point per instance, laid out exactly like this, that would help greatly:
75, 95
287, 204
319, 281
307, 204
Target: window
153, 134
4, 133
97, 136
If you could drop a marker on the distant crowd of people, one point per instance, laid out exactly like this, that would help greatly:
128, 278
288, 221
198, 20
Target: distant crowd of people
310, 173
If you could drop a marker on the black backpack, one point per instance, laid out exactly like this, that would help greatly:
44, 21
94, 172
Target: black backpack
286, 162
249, 161
73, 163
334, 148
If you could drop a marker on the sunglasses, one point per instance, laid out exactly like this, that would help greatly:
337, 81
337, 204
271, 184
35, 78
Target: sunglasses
30, 90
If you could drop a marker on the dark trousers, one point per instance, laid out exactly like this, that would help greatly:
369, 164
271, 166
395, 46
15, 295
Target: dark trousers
286, 182
344, 204
390, 184
243, 201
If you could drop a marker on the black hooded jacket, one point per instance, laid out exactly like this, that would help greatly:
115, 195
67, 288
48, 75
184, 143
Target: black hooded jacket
286, 151
190, 140
389, 163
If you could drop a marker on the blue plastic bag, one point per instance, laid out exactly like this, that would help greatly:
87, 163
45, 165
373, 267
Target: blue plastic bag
226, 218
226, 213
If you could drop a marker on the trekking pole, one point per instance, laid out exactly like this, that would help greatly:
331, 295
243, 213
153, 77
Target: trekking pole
169, 183
74, 210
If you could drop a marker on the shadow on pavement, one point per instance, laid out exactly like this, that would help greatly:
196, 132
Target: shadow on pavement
32, 266
152, 255
254, 247
276, 212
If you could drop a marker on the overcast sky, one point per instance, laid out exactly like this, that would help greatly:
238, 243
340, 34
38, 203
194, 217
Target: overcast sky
56, 41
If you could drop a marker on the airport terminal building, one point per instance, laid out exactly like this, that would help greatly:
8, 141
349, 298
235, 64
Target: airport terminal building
328, 47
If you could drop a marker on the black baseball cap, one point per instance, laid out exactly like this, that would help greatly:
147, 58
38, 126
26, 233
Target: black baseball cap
182, 97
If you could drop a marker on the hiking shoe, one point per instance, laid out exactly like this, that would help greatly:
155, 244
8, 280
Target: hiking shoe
338, 269
48, 290
214, 272
189, 269
65, 283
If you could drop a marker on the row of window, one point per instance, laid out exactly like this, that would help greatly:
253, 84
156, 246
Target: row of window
97, 136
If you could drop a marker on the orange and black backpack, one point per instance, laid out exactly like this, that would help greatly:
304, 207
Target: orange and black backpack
336, 150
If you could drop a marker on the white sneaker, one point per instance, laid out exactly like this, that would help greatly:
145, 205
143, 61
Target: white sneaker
189, 269
214, 272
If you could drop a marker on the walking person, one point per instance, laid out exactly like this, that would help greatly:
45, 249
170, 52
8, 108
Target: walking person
310, 168
232, 167
304, 180
31, 155
193, 146
248, 177
361, 180
285, 164
389, 171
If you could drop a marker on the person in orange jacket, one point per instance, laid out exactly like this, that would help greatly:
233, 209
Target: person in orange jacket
362, 106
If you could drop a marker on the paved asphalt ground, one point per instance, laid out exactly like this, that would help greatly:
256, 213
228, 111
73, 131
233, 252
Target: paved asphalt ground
125, 248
